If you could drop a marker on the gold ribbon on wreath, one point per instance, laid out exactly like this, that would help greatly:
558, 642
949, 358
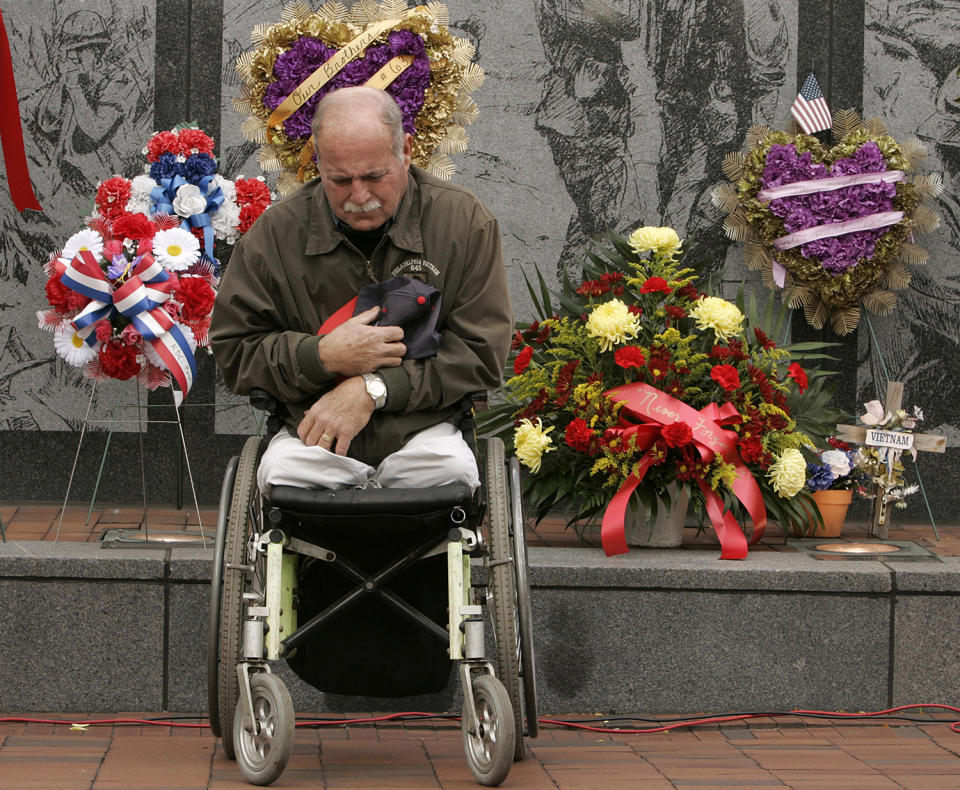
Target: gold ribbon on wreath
330, 68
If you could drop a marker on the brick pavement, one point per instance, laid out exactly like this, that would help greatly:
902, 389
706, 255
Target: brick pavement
762, 753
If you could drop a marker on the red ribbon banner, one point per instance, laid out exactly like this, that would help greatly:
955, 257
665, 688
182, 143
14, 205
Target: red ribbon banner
655, 409
11, 132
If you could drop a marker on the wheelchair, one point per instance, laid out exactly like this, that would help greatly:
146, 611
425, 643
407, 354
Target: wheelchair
370, 592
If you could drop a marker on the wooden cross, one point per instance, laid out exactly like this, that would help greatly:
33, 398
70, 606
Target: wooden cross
857, 434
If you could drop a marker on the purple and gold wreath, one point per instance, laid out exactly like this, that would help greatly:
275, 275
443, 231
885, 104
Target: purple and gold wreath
409, 52
834, 228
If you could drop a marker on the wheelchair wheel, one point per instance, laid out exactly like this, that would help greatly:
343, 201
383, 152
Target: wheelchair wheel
524, 611
503, 590
264, 746
490, 750
213, 629
239, 529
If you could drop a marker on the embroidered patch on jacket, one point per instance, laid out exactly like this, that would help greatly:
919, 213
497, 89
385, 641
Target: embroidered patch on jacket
419, 268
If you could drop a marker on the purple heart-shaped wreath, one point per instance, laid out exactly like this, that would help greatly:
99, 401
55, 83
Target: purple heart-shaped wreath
827, 225
307, 54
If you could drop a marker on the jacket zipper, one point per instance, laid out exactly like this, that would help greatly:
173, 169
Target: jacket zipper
368, 262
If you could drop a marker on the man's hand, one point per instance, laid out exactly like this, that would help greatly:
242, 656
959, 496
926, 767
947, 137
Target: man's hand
355, 347
337, 416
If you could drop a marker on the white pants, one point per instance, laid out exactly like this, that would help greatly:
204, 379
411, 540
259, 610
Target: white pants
435, 456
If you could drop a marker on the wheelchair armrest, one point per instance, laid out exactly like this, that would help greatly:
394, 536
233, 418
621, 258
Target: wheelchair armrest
264, 401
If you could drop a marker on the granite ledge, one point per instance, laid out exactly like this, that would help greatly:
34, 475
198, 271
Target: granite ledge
74, 560
688, 570
934, 577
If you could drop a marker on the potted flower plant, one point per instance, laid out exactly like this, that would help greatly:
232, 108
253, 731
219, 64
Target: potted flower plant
637, 384
832, 481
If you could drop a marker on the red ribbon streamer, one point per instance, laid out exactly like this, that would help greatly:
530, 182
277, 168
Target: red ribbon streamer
11, 132
656, 408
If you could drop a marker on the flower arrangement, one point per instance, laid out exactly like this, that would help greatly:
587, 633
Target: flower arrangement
131, 294
836, 469
832, 227
638, 380
409, 52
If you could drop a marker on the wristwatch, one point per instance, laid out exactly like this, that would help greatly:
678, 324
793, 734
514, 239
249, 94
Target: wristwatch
376, 389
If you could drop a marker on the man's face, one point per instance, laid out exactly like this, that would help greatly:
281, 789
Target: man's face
362, 177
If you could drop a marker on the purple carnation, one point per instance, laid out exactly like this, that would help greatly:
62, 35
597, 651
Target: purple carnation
784, 165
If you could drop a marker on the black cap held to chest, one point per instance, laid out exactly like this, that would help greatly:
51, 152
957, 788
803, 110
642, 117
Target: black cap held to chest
407, 303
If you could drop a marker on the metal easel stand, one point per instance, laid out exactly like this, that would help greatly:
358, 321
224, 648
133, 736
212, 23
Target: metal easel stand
136, 537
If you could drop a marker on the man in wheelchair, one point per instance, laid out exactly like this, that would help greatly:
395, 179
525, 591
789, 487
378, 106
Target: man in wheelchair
366, 402
368, 305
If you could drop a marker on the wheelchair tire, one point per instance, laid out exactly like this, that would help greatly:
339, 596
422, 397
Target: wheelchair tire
490, 751
502, 586
238, 530
216, 580
263, 754
521, 567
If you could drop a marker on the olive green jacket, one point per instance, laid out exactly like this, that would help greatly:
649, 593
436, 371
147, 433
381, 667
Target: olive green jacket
294, 268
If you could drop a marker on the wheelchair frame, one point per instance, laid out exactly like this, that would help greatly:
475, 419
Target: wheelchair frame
255, 569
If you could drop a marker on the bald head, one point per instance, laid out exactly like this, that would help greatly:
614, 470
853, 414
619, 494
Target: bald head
359, 108
363, 156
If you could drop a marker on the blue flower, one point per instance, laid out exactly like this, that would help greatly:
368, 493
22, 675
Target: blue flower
819, 477
199, 166
166, 166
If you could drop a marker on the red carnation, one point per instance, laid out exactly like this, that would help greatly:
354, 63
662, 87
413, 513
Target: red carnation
677, 434
63, 299
726, 376
112, 197
194, 141
762, 339
104, 330
522, 362
252, 190
196, 297
655, 285
579, 436
629, 357
162, 143
751, 449
799, 375
133, 226
592, 288
675, 312
838, 444
119, 361
249, 215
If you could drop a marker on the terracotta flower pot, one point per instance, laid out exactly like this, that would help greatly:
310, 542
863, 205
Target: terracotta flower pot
833, 509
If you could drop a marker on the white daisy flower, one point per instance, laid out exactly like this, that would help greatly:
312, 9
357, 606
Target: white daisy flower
71, 347
156, 360
85, 239
176, 249
140, 201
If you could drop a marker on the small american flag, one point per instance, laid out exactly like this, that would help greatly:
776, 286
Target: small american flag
810, 108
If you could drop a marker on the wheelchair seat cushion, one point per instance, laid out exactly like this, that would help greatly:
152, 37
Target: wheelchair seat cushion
372, 501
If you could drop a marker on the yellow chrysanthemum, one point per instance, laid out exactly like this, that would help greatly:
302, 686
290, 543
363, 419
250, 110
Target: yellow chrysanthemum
613, 323
723, 317
658, 240
788, 473
530, 442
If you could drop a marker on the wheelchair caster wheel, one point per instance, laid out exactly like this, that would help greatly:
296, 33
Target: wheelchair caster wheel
263, 746
489, 748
